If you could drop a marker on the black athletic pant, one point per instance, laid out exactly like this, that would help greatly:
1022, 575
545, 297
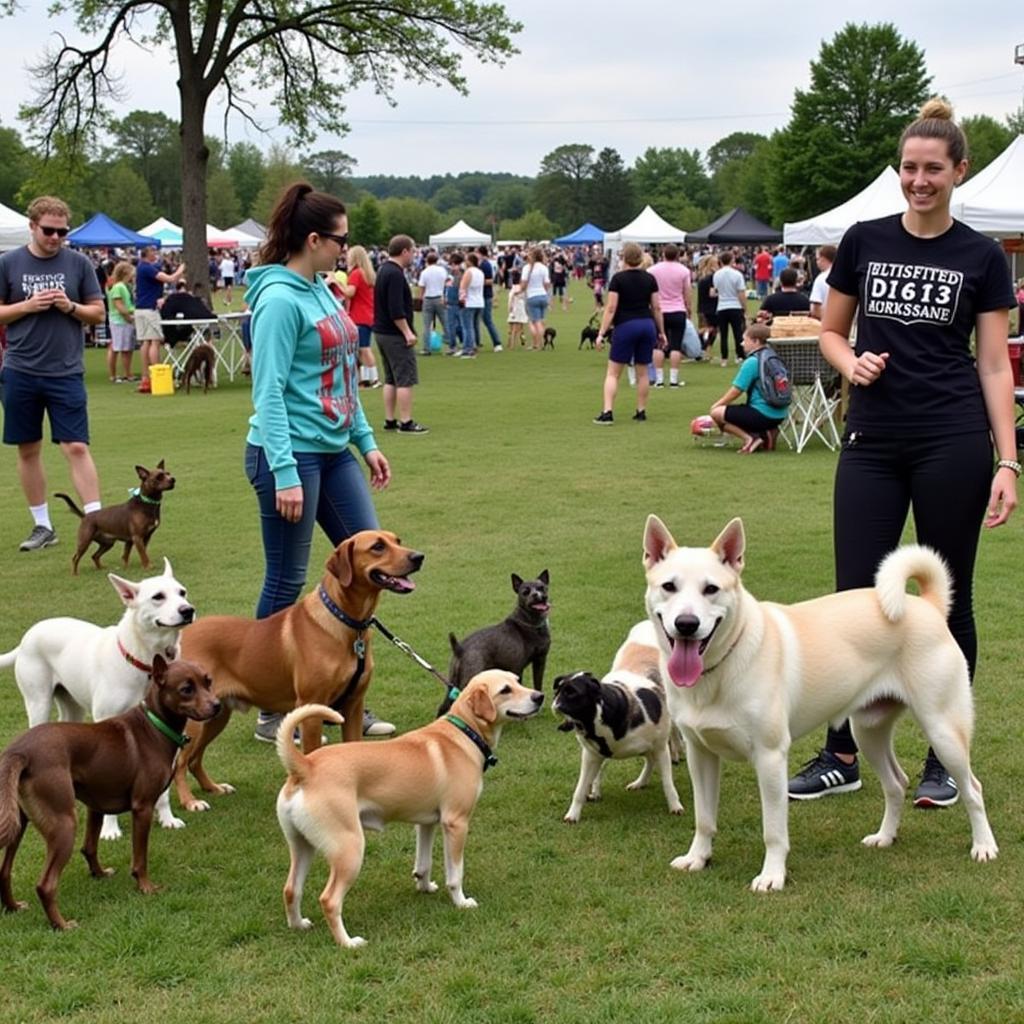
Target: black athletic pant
737, 320
946, 482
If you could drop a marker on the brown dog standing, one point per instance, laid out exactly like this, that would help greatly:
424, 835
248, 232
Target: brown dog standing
134, 522
202, 360
317, 651
120, 764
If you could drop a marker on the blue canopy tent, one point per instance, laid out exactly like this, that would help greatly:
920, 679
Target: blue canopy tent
101, 230
585, 235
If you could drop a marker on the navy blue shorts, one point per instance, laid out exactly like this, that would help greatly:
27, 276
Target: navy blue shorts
26, 397
633, 342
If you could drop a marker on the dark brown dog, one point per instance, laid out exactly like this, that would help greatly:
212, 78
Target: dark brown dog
122, 763
202, 361
549, 338
305, 654
134, 522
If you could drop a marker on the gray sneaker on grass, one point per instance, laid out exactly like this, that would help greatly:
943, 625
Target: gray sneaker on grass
40, 537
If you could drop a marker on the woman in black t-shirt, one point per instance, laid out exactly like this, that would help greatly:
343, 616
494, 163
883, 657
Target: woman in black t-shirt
634, 309
924, 411
707, 300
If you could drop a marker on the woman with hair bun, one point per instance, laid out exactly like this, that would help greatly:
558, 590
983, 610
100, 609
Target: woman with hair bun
925, 410
307, 414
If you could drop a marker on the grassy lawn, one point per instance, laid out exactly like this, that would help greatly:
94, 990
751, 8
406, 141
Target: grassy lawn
575, 924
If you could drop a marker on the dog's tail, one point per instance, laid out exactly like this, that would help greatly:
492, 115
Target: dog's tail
11, 768
294, 760
917, 563
74, 508
8, 659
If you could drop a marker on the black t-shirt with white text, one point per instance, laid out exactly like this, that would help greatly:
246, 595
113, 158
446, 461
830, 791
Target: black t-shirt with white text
918, 300
634, 288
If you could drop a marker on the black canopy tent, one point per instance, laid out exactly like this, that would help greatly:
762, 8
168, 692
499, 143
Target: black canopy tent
735, 227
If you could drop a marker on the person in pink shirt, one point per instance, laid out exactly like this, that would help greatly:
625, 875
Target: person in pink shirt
674, 283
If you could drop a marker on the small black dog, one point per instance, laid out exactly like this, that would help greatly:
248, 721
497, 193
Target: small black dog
589, 333
522, 639
549, 337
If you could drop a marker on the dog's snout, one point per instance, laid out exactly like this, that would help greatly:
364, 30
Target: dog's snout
187, 613
537, 697
416, 557
216, 706
686, 625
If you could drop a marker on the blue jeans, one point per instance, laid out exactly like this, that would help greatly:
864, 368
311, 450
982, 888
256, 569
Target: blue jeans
335, 495
453, 326
470, 320
488, 319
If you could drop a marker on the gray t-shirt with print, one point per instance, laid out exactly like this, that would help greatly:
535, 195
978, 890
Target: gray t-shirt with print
50, 343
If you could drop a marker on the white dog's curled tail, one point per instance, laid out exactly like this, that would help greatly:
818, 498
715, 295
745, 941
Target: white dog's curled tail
294, 760
917, 563
8, 659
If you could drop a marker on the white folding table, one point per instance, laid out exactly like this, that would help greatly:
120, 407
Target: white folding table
225, 335
815, 387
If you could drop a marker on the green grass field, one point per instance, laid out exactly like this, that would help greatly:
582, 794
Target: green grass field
575, 924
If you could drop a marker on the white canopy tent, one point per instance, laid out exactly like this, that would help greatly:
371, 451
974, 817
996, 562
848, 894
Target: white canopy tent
882, 197
459, 234
992, 202
242, 239
13, 228
168, 232
649, 227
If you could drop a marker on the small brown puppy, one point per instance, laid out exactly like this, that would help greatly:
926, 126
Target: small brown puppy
430, 776
134, 522
122, 763
318, 651
202, 361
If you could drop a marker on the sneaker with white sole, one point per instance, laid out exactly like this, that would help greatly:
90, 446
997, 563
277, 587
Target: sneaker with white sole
937, 787
374, 726
824, 775
40, 537
266, 728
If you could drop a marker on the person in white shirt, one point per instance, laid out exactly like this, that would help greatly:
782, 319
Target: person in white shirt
431, 284
819, 290
227, 275
731, 311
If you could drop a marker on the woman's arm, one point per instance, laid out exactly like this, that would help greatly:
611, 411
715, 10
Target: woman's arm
993, 361
606, 320
464, 282
659, 320
835, 342
728, 398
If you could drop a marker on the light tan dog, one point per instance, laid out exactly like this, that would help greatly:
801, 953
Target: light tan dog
745, 678
429, 776
317, 651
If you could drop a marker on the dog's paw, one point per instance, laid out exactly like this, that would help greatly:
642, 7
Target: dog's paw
676, 808
302, 925
769, 881
879, 839
689, 862
112, 831
594, 796
982, 852
426, 885
195, 806
572, 818
635, 785
148, 888
467, 903
14, 907
171, 822
354, 942
222, 789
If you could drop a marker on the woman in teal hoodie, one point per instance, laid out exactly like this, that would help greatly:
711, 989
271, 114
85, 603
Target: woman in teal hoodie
307, 414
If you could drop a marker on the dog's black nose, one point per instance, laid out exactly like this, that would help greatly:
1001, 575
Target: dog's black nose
216, 707
687, 625
187, 613
417, 559
537, 697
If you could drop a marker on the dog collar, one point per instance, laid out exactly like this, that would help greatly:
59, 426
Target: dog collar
359, 625
132, 660
160, 725
489, 758
135, 492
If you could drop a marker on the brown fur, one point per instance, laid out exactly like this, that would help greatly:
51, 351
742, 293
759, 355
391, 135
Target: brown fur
300, 655
122, 763
202, 360
134, 522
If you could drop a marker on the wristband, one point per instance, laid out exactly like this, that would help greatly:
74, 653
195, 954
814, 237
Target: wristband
1010, 464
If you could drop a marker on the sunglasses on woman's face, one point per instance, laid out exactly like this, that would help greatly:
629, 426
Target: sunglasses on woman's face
342, 240
50, 232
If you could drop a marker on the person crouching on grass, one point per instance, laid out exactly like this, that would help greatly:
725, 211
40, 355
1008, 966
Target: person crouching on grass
756, 423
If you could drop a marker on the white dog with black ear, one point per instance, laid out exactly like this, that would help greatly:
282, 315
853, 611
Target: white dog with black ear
622, 715
101, 671
745, 678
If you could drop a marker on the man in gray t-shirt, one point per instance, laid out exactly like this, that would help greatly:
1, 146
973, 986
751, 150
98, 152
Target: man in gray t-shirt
47, 294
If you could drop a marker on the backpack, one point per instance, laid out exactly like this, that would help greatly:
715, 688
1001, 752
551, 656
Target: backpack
773, 377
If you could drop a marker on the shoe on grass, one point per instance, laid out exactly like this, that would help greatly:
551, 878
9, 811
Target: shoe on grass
604, 419
266, 728
40, 537
412, 427
937, 787
374, 726
640, 415
391, 424
824, 775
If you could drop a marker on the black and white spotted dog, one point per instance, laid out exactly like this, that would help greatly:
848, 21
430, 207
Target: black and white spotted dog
622, 715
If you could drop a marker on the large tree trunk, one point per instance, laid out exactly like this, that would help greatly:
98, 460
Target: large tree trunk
194, 158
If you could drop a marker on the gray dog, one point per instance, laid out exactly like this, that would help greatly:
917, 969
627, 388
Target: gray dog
520, 640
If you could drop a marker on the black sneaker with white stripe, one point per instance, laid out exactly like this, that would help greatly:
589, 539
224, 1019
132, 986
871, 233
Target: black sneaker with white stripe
937, 787
824, 775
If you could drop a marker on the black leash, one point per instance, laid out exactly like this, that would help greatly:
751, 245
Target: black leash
453, 691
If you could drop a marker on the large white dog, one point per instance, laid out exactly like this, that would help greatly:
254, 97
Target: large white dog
103, 671
744, 678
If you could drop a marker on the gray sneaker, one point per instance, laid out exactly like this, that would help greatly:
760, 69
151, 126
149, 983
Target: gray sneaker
40, 537
374, 726
937, 787
266, 728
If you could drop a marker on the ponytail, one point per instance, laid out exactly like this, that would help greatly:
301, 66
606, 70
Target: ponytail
299, 211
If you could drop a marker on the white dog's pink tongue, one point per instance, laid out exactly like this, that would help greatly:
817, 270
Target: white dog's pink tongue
685, 663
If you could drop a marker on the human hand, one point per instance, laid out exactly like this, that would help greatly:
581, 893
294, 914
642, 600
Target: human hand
289, 503
61, 301
380, 470
1002, 498
40, 300
868, 367
599, 342
410, 340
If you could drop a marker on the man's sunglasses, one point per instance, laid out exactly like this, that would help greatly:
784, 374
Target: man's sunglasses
340, 239
50, 232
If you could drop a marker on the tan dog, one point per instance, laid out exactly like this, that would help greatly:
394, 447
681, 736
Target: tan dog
305, 654
746, 677
429, 776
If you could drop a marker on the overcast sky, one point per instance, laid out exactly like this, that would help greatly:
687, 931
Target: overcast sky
602, 72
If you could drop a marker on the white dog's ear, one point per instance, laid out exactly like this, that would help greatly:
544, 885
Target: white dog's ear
126, 590
730, 544
168, 571
658, 542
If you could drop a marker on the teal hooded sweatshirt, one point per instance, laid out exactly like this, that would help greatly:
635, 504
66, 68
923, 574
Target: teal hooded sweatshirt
305, 375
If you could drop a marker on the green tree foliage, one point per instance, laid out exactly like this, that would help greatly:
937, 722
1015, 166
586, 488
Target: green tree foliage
66, 173
151, 142
329, 170
675, 183
222, 206
366, 222
533, 226
561, 188
448, 197
986, 139
866, 85
122, 193
1015, 122
744, 182
508, 199
246, 164
610, 201
15, 167
737, 146
279, 171
414, 217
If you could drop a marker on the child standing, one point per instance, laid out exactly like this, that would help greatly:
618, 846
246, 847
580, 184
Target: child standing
516, 311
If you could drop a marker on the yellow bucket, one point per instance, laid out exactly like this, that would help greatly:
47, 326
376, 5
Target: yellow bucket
161, 378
